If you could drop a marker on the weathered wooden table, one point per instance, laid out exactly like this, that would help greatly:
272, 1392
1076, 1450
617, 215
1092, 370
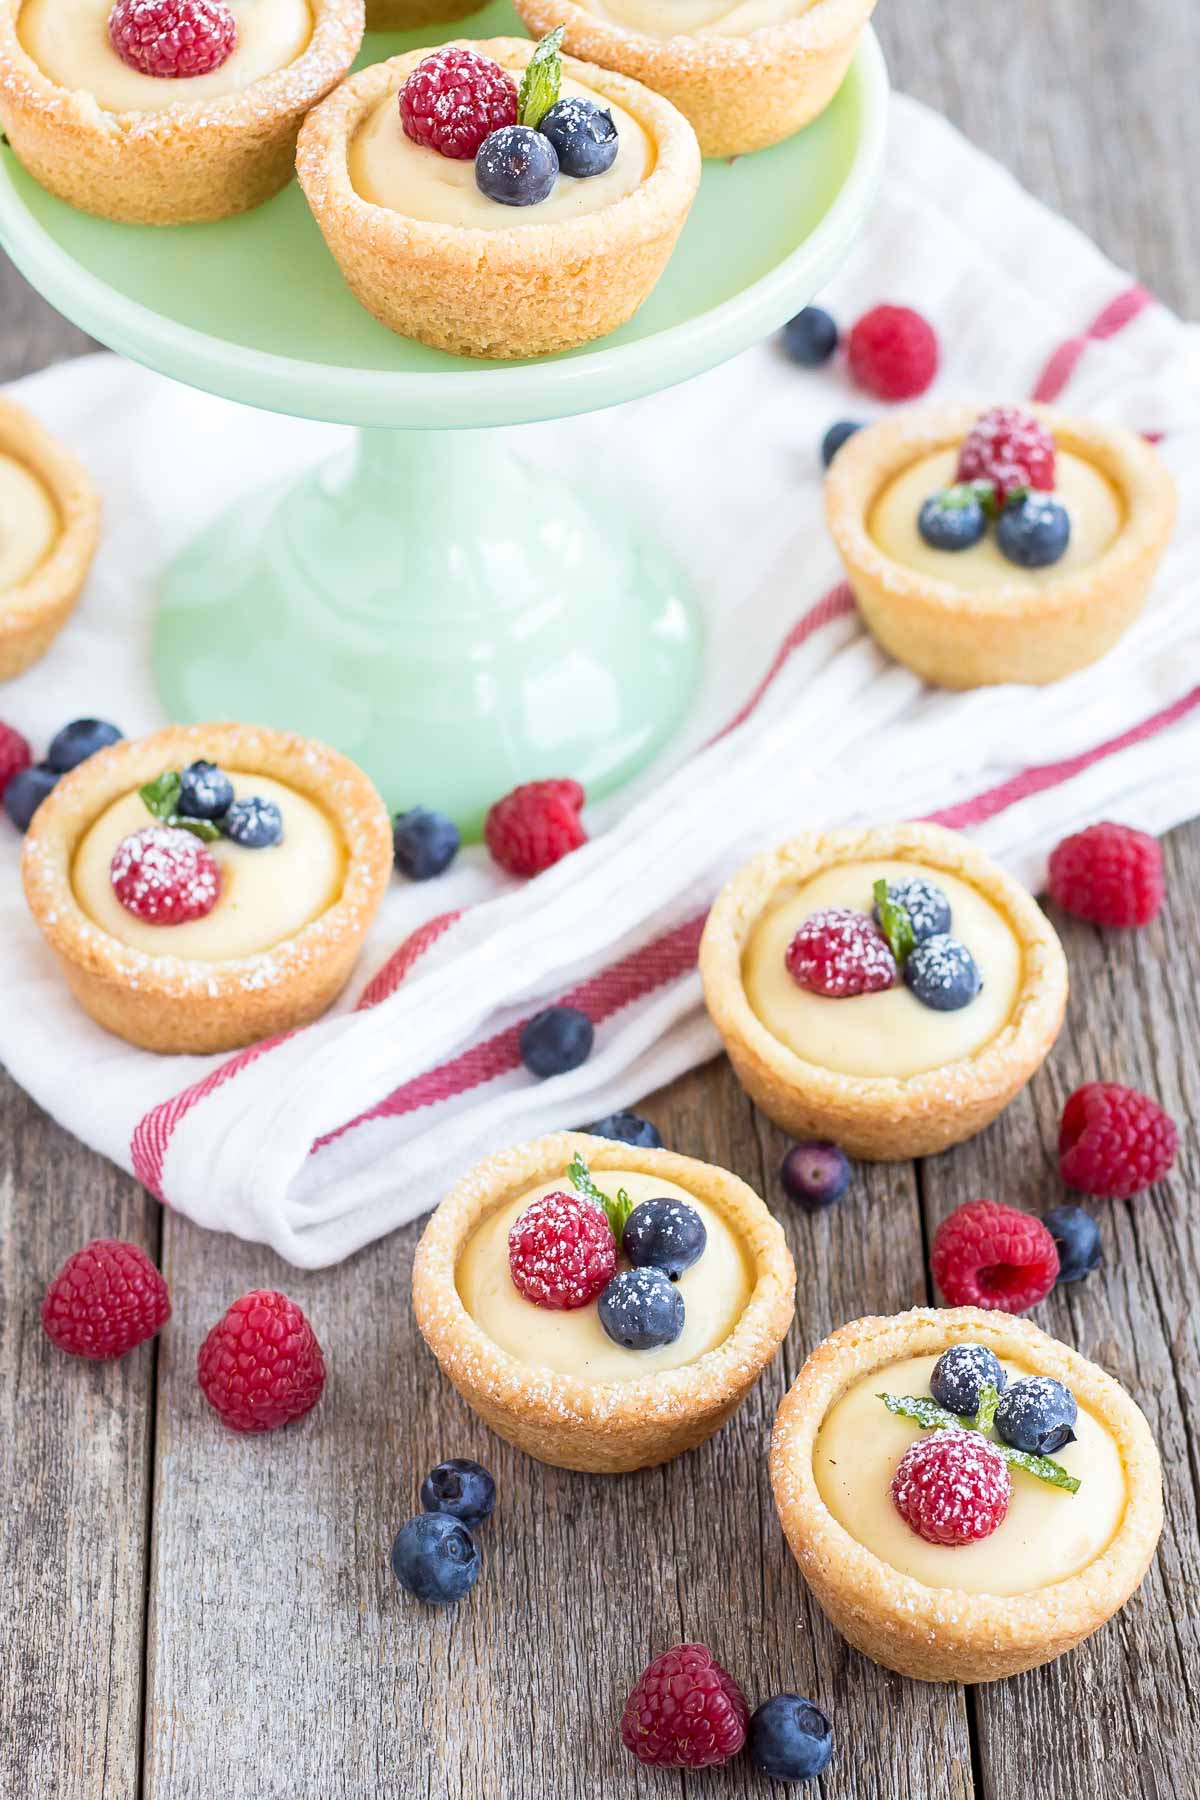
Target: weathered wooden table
186, 1614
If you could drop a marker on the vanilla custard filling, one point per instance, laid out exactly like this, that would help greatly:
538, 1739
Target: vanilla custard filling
1047, 1535
69, 42
1094, 506
388, 169
28, 522
715, 1291
266, 895
697, 18
889, 1033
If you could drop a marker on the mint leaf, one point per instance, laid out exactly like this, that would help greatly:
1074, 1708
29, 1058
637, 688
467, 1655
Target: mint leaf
1017, 496
894, 923
985, 492
923, 1412
933, 1417
964, 494
204, 829
616, 1211
1044, 1467
989, 1400
161, 796
541, 81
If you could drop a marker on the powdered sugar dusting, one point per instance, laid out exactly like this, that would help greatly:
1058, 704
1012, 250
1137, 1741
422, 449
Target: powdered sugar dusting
841, 953
165, 876
952, 1487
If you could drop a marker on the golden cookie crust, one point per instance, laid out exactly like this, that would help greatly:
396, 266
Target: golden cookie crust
959, 639
514, 291
203, 161
168, 1003
603, 1427
740, 93
945, 1634
881, 1119
35, 611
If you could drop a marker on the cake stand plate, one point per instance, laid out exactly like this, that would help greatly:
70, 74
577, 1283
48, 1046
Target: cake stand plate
452, 620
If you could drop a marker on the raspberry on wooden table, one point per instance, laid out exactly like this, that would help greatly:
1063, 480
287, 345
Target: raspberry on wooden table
952, 1487
685, 1711
987, 1254
170, 39
1011, 447
561, 1252
165, 876
893, 353
841, 953
535, 826
1109, 875
105, 1299
15, 755
261, 1365
1114, 1141
456, 98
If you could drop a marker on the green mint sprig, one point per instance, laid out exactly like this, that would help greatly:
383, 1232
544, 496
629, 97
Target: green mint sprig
933, 1417
989, 1400
161, 797
894, 923
542, 80
615, 1211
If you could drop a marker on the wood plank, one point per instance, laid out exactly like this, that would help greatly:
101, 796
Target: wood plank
32, 334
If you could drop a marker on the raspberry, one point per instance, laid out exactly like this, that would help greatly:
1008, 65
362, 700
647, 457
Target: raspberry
987, 1254
173, 38
1113, 1141
261, 1365
105, 1299
685, 1711
841, 953
1010, 447
893, 353
454, 99
1108, 874
534, 826
952, 1487
15, 755
165, 876
561, 1252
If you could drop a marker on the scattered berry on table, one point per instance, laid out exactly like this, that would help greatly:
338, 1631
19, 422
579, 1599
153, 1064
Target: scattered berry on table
454, 99
1078, 1238
25, 791
952, 520
556, 1040
684, 1712
170, 39
516, 166
893, 353
1010, 447
811, 338
535, 826
254, 823
960, 1375
434, 1557
841, 953
77, 741
15, 755
664, 1234
925, 903
1034, 532
990, 1255
561, 1252
1037, 1414
1114, 1141
425, 843
626, 1128
165, 876
835, 437
943, 974
790, 1739
261, 1365
1108, 874
641, 1309
583, 134
460, 1488
205, 792
952, 1487
815, 1174
106, 1298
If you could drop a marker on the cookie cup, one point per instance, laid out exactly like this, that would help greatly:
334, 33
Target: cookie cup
879, 1119
603, 1427
170, 1004
740, 93
34, 611
959, 639
513, 291
183, 165
946, 1634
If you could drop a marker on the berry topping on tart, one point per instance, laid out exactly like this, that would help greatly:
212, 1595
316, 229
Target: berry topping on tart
960, 1375
664, 1234
454, 99
172, 39
642, 1309
943, 974
952, 1488
1033, 531
254, 823
1037, 1414
841, 953
990, 1255
1114, 1141
583, 134
925, 903
1010, 448
685, 1711
953, 519
516, 166
205, 792
561, 1252
165, 876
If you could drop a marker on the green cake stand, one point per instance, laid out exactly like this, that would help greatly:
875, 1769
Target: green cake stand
453, 620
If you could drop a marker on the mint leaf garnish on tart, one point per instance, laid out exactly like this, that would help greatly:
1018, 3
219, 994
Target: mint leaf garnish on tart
894, 923
542, 80
932, 1417
989, 1400
615, 1211
161, 797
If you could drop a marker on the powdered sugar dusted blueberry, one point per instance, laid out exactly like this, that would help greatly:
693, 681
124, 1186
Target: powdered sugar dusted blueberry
664, 1234
1037, 1414
254, 823
841, 953
641, 1309
943, 974
952, 1487
925, 903
959, 1376
165, 876
205, 792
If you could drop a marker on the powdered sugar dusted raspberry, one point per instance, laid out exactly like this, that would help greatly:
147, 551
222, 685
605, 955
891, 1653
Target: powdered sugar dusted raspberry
841, 953
952, 1487
1010, 447
454, 99
561, 1252
171, 39
165, 876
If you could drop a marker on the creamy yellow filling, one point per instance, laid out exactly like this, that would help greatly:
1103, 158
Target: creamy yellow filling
1048, 1535
697, 18
388, 169
715, 1291
266, 895
69, 42
889, 1033
28, 522
1092, 502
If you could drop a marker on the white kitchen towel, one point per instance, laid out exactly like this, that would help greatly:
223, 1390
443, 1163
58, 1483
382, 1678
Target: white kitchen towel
323, 1141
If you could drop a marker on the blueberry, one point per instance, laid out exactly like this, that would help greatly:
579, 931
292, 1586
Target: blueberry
959, 1375
815, 1175
25, 791
1078, 1238
425, 843
641, 1309
583, 134
664, 1234
952, 520
1034, 532
790, 1739
556, 1040
79, 740
836, 436
253, 823
435, 1558
811, 338
461, 1489
1037, 1414
927, 907
626, 1128
943, 974
206, 793
516, 166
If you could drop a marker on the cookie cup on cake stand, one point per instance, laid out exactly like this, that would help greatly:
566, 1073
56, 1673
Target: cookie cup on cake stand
601, 1426
174, 1003
943, 1633
65, 515
516, 289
